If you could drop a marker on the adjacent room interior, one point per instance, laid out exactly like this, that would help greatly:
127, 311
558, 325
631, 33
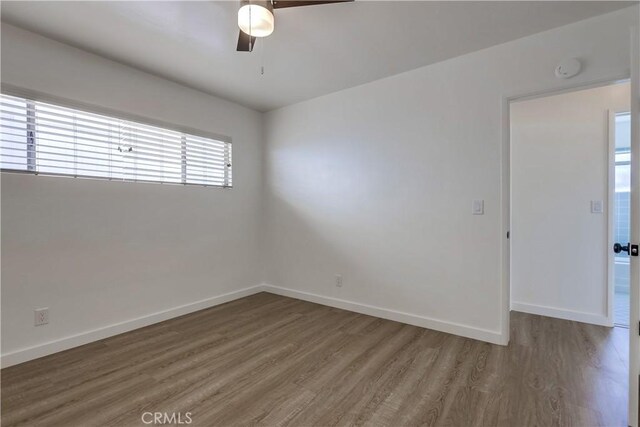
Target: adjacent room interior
563, 149
314, 213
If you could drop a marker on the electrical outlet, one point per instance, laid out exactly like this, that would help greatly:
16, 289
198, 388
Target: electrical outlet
41, 316
339, 280
597, 207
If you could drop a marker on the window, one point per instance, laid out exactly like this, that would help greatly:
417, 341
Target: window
43, 138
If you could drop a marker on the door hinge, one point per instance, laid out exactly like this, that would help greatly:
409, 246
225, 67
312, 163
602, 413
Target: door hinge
633, 250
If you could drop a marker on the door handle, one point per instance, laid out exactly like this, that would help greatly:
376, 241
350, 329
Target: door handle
617, 248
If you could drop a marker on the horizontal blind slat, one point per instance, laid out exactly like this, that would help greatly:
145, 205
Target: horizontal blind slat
115, 126
198, 184
115, 140
133, 175
70, 160
43, 138
61, 139
66, 115
113, 148
122, 168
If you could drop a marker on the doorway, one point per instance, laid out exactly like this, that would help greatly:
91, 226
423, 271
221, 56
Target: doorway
563, 204
620, 204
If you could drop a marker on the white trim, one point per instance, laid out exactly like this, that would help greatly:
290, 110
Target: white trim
505, 221
611, 182
634, 282
578, 86
577, 316
494, 337
82, 338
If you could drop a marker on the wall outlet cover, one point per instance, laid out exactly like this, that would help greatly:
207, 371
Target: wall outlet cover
41, 316
597, 206
477, 207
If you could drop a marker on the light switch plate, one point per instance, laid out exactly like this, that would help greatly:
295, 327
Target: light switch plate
477, 207
597, 207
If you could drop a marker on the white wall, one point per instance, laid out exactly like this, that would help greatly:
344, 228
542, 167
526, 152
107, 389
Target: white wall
559, 164
99, 253
376, 182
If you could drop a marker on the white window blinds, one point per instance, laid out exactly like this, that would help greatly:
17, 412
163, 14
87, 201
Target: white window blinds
42, 138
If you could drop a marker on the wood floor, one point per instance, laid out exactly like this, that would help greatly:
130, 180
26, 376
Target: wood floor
270, 360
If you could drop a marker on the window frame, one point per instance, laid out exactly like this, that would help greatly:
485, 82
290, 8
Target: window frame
35, 96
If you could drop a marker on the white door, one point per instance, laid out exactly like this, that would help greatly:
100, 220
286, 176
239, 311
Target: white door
634, 331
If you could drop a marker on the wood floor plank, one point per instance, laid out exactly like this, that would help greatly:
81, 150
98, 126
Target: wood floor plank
329, 406
268, 360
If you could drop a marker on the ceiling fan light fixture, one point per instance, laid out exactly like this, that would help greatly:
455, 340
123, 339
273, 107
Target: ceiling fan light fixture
256, 18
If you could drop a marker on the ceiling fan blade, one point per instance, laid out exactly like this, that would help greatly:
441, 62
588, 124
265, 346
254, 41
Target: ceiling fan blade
280, 4
245, 42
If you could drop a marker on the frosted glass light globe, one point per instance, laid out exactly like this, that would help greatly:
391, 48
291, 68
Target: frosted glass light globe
255, 20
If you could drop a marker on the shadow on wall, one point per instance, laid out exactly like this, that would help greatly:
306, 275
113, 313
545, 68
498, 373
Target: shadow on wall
309, 244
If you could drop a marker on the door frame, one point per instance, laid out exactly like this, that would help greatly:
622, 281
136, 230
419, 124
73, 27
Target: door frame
634, 277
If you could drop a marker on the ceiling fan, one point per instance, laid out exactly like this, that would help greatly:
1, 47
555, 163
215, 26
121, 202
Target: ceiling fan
255, 18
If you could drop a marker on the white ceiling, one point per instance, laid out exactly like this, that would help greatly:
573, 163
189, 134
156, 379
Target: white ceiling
314, 50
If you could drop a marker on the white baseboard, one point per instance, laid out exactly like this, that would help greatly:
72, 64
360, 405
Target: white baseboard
30, 353
578, 316
494, 337
66, 343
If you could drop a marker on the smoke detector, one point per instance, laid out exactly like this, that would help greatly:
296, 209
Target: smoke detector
568, 68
